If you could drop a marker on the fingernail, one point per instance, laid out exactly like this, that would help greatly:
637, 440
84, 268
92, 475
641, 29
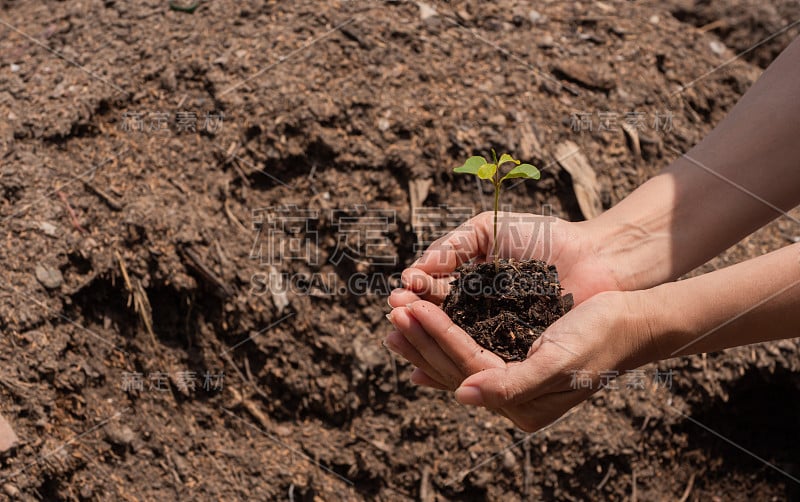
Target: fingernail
390, 316
395, 291
469, 395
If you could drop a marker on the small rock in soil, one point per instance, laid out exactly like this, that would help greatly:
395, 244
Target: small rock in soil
426, 11
120, 435
717, 48
48, 228
50, 277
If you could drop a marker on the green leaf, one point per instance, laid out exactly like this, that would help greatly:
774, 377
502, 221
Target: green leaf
486, 171
507, 158
523, 171
471, 165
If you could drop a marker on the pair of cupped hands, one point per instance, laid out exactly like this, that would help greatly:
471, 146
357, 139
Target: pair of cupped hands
595, 336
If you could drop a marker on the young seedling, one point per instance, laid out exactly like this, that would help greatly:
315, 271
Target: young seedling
484, 170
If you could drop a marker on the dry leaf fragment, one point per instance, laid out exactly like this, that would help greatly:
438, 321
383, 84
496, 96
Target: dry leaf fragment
584, 180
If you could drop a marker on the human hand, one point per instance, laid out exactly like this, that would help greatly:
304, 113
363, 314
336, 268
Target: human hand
609, 331
571, 247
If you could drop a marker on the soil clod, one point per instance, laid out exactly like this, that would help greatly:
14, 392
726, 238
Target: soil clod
506, 307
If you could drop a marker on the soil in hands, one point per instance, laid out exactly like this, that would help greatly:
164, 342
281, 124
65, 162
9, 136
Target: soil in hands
506, 307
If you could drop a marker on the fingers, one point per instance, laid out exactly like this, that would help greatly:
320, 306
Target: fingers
539, 413
398, 344
443, 352
470, 240
427, 347
503, 391
401, 297
454, 342
430, 288
520, 236
419, 377
509, 386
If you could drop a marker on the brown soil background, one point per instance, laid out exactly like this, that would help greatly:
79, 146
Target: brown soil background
345, 104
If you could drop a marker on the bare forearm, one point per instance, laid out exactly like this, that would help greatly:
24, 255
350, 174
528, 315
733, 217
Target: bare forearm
753, 301
741, 176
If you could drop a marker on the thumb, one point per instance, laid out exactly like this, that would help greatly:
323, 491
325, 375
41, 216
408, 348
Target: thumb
470, 240
501, 387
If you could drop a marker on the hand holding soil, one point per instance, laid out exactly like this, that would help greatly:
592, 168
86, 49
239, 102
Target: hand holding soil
614, 329
667, 227
536, 391
505, 305
568, 246
521, 237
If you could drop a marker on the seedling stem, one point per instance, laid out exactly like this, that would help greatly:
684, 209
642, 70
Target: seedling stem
478, 166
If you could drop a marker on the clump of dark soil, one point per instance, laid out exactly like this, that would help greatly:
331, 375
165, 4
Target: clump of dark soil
507, 306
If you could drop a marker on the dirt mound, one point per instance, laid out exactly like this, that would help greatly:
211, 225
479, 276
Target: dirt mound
147, 157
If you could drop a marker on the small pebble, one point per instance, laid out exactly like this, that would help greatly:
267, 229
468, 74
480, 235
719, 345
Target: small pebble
8, 438
14, 68
283, 431
426, 11
121, 435
717, 48
509, 460
50, 277
48, 228
545, 41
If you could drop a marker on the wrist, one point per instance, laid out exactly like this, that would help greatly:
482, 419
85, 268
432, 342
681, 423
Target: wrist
630, 254
658, 321
627, 327
635, 239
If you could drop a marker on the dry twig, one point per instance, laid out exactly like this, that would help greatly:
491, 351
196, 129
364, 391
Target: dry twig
141, 303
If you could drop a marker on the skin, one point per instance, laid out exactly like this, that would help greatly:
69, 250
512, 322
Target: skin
619, 267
